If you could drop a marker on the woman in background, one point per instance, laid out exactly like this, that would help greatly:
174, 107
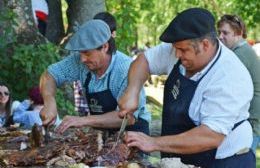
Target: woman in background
28, 112
5, 105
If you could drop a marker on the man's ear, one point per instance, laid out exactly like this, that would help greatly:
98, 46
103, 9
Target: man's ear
113, 34
105, 47
205, 44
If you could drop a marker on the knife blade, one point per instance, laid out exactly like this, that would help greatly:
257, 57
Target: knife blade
121, 131
122, 128
47, 134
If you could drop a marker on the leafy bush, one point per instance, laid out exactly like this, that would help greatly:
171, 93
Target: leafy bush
24, 67
22, 70
22, 64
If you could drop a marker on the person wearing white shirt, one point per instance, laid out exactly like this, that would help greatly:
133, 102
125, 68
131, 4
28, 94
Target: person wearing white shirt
40, 14
206, 102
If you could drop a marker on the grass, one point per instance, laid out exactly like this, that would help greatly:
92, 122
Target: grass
258, 158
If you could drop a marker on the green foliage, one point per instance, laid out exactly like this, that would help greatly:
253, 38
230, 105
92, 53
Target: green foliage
249, 11
65, 106
258, 158
23, 68
154, 107
143, 21
126, 22
21, 65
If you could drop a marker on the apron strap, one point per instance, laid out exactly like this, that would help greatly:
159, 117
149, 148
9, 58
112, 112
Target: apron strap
237, 124
87, 81
89, 78
108, 80
210, 66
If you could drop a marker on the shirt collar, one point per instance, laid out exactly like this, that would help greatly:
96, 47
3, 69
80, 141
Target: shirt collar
199, 74
239, 44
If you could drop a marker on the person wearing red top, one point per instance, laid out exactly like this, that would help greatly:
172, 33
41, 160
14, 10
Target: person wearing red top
40, 14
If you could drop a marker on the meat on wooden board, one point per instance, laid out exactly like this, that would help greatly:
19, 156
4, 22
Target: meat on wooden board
91, 147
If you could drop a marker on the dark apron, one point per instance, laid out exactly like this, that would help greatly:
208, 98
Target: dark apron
100, 102
103, 102
178, 93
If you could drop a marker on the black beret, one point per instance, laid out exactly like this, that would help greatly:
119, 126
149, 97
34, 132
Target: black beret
189, 24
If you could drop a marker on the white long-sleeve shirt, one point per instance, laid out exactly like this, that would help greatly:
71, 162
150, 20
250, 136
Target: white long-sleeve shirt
221, 99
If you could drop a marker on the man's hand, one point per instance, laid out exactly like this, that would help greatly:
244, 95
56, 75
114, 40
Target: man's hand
140, 140
128, 104
70, 121
48, 114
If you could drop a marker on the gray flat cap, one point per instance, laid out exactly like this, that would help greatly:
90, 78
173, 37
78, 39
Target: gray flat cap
90, 35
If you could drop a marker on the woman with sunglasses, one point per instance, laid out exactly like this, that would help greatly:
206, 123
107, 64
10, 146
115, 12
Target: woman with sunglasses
5, 105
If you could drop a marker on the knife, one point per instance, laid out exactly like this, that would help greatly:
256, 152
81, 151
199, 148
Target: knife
47, 134
121, 131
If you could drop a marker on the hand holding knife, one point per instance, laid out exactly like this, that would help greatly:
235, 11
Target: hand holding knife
46, 129
121, 131
47, 134
122, 128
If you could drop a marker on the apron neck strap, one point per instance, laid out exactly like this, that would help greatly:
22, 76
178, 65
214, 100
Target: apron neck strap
89, 78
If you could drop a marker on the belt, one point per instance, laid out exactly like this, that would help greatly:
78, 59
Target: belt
243, 151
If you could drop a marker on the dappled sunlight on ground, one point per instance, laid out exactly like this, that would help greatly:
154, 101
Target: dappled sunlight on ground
258, 158
155, 92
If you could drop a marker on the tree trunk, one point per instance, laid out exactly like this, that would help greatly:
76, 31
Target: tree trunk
1, 13
80, 11
26, 29
1, 4
55, 27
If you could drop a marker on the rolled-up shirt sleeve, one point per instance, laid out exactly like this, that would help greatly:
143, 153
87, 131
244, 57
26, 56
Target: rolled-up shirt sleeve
161, 59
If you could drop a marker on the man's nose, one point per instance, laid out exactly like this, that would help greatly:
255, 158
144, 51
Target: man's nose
220, 36
83, 58
178, 54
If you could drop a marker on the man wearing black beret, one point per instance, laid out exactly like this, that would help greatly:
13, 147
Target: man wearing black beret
206, 96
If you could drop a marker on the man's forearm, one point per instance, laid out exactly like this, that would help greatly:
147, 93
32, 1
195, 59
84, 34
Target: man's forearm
47, 86
48, 91
196, 140
107, 120
138, 74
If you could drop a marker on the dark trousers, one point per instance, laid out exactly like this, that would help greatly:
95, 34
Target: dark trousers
42, 25
246, 160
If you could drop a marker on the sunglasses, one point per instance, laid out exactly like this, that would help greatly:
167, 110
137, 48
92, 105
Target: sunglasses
4, 94
233, 19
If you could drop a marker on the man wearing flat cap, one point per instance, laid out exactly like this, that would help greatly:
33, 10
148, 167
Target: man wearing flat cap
206, 96
102, 71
